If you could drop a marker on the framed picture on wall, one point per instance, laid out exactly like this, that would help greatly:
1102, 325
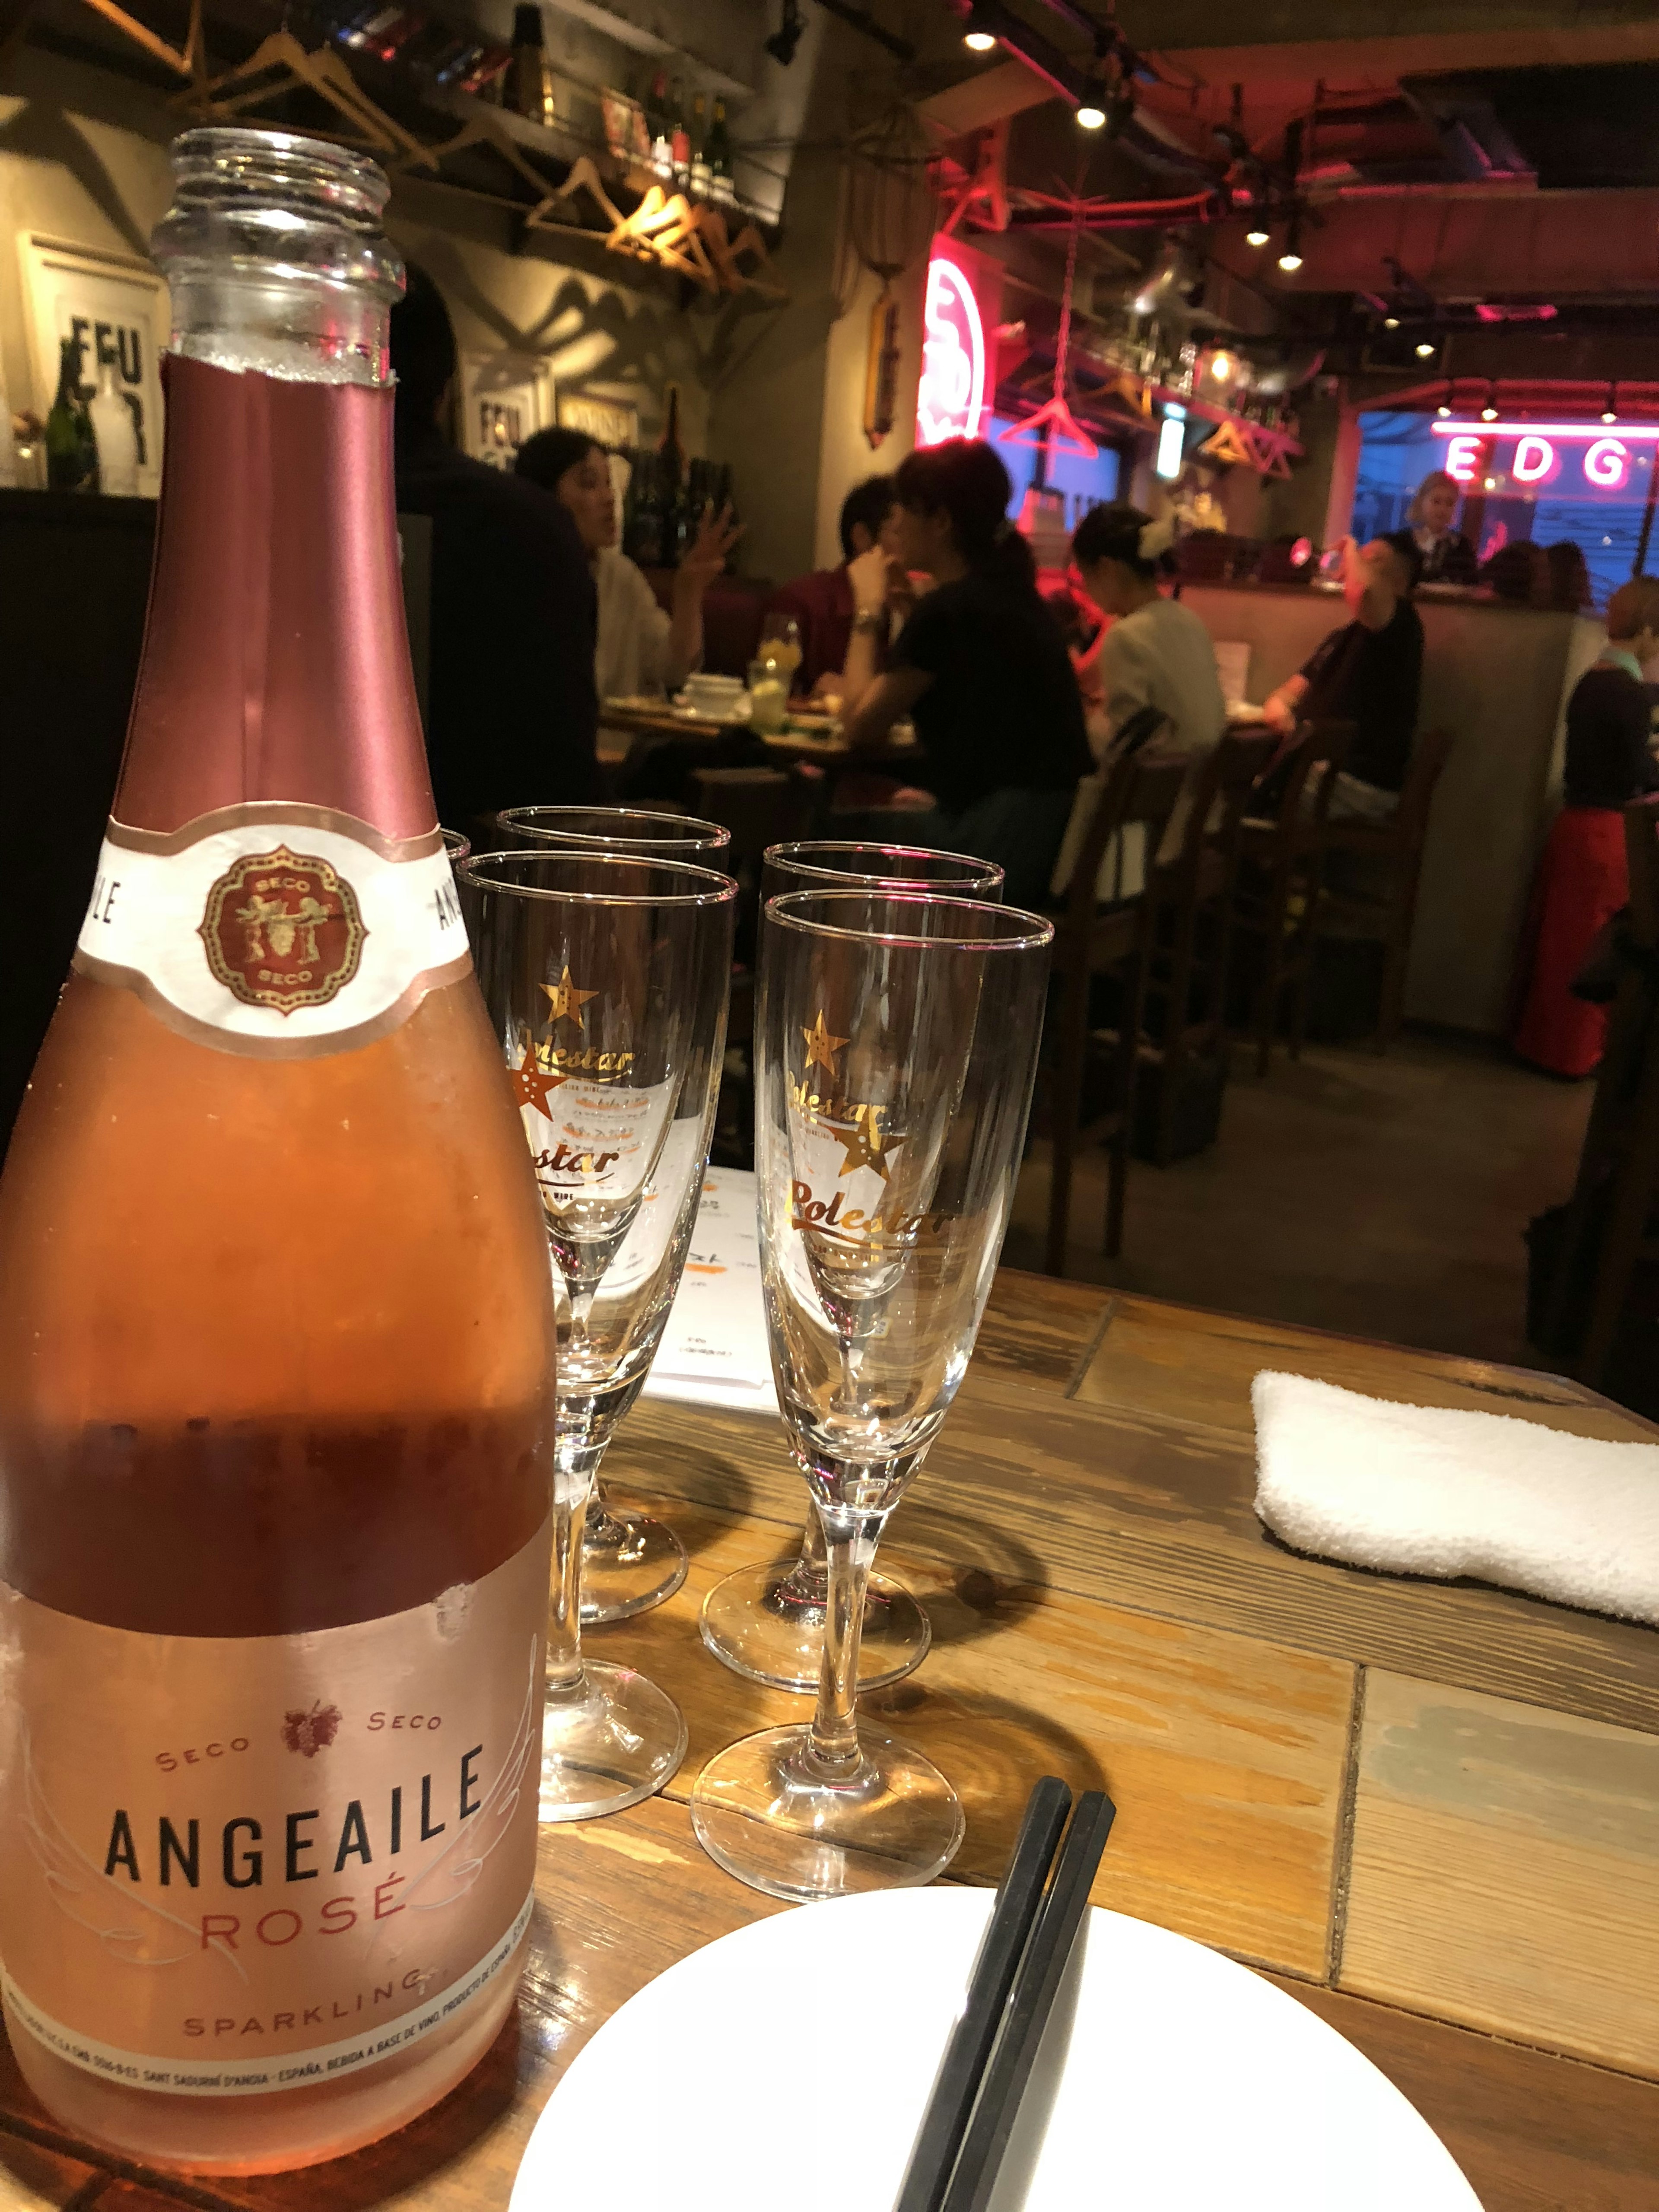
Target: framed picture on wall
612, 421
505, 399
115, 310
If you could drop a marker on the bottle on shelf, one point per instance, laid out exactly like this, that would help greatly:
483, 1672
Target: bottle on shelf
276, 1331
721, 190
71, 447
527, 87
671, 446
116, 436
660, 125
679, 140
699, 174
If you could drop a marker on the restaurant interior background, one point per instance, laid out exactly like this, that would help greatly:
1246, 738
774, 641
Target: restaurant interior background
1277, 265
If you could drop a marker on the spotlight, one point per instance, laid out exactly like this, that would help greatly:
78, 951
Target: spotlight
1442, 411
1488, 414
1426, 352
1610, 412
978, 42
1391, 322
1090, 119
1291, 259
1609, 416
1258, 233
783, 40
1222, 365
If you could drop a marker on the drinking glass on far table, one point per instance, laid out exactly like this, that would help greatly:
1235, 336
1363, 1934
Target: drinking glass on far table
780, 645
632, 1560
767, 1622
895, 1044
606, 979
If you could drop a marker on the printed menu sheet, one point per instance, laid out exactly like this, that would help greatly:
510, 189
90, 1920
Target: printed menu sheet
713, 1350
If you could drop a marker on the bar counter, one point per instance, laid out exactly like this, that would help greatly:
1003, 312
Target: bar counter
1429, 1812
1498, 678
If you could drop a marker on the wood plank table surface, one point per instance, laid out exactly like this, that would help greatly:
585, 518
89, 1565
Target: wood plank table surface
810, 737
1429, 1812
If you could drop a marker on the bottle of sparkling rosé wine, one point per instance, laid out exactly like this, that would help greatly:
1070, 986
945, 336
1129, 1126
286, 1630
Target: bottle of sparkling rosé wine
277, 1336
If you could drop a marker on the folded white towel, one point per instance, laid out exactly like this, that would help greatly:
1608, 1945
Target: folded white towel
1417, 1490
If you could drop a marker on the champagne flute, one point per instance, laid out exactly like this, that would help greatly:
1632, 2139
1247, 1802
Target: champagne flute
897, 1041
632, 1560
767, 1622
606, 981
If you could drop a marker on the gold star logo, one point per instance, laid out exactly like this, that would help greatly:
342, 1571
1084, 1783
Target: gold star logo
531, 1084
864, 1146
566, 1000
821, 1046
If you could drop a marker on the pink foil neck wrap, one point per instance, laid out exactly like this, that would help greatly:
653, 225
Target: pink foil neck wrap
275, 662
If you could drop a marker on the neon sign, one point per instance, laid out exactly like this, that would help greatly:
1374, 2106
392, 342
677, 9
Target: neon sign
950, 396
1605, 463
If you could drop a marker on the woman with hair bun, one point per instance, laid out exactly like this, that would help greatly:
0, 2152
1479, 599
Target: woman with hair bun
1156, 653
980, 667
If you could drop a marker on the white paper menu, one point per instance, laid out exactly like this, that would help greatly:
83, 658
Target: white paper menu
713, 1350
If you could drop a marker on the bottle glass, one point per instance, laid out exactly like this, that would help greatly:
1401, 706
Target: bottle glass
278, 1415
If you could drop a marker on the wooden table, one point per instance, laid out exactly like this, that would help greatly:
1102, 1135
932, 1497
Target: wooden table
1429, 1812
657, 718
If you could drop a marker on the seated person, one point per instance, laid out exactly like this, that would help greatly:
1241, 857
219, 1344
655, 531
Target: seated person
1570, 578
1157, 652
1448, 556
1519, 574
1583, 878
822, 605
980, 667
511, 714
1370, 673
639, 647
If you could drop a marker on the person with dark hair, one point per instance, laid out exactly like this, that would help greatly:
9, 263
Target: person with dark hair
1570, 576
821, 604
1518, 574
1448, 556
512, 716
980, 667
1157, 652
1370, 673
640, 647
1583, 878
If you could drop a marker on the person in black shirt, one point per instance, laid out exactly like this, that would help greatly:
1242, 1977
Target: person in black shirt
1370, 673
1583, 878
1448, 556
980, 666
512, 710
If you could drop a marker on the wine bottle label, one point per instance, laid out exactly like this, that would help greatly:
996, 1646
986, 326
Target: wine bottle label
275, 928
234, 1865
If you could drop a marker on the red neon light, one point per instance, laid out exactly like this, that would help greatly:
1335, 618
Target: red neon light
1542, 430
1536, 460
1607, 464
950, 396
1464, 458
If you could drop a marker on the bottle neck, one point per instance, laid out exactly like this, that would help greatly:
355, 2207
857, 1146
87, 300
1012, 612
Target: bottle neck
275, 662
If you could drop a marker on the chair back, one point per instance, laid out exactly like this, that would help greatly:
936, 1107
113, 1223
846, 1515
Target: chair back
1227, 777
1411, 819
1318, 744
1125, 792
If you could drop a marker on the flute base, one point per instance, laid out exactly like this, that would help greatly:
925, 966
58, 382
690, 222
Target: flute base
755, 1623
629, 1563
766, 1811
614, 1740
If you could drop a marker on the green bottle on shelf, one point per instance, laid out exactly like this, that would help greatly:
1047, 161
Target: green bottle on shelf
71, 449
699, 178
718, 157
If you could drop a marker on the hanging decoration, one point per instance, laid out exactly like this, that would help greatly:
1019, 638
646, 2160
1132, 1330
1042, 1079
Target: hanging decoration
1053, 426
273, 71
881, 370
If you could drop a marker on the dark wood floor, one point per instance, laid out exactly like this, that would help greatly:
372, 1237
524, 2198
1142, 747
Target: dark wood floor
1385, 1197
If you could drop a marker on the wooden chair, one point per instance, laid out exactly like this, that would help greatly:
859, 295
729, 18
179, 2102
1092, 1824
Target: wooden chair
1279, 883
1090, 940
1189, 935
1394, 850
1618, 1179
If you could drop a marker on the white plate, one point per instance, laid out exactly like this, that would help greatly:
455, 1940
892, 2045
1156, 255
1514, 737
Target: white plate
788, 2065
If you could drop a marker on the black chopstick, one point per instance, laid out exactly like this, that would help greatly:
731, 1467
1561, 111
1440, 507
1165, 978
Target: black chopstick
1036, 1987
1007, 1933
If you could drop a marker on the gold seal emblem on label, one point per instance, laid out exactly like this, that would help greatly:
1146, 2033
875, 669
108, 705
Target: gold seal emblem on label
283, 929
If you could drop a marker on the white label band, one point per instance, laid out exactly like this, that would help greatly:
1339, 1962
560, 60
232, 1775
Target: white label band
276, 929
247, 2077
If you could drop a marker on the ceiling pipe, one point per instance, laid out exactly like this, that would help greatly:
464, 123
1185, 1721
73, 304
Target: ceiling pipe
863, 21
